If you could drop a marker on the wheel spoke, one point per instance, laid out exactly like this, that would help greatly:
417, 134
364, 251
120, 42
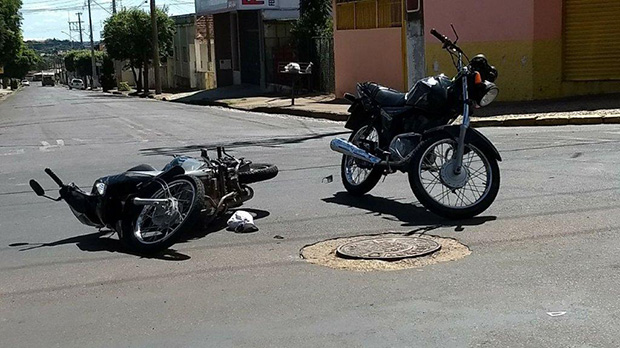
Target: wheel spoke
475, 185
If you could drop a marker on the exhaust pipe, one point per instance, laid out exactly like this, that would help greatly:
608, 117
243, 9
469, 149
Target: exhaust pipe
346, 148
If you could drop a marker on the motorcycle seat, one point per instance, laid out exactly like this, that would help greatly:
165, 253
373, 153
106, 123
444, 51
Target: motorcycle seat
388, 97
385, 96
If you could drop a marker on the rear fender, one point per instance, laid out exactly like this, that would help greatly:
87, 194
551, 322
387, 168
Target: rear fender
358, 116
471, 135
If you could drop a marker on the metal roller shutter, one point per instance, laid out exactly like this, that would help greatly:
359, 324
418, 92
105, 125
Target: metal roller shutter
591, 40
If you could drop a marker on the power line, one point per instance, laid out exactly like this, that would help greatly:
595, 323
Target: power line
103, 8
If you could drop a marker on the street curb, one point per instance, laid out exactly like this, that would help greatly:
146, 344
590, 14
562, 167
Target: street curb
494, 121
13, 92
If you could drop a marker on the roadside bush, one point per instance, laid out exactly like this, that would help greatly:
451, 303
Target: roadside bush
107, 82
14, 84
123, 86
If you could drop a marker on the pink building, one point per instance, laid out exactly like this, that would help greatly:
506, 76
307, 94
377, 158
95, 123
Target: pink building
542, 48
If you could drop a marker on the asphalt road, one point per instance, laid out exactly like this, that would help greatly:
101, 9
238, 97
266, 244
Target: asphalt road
548, 243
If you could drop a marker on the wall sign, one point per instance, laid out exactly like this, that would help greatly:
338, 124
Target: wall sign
257, 4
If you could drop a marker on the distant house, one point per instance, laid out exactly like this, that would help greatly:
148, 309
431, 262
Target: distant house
193, 61
251, 38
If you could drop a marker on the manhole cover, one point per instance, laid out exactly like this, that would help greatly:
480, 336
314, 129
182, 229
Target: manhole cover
388, 248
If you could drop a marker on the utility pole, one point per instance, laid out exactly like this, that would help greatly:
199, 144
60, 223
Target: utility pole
155, 49
92, 49
113, 6
80, 26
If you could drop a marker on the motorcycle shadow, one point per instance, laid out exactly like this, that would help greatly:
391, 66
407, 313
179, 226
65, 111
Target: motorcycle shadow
103, 241
106, 240
409, 214
221, 223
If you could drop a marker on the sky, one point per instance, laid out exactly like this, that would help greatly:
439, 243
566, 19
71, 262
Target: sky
47, 19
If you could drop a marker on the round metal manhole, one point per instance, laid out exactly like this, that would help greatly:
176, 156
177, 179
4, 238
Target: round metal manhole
327, 253
388, 248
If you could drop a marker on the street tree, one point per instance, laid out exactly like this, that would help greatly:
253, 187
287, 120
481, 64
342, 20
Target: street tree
25, 60
127, 37
315, 20
10, 31
79, 62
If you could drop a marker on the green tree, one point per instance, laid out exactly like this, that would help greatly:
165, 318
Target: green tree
315, 19
10, 32
79, 62
24, 61
127, 37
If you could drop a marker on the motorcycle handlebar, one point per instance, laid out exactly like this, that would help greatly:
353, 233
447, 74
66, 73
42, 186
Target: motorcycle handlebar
54, 177
445, 41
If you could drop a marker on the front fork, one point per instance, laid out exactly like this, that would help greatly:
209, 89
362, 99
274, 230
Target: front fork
460, 145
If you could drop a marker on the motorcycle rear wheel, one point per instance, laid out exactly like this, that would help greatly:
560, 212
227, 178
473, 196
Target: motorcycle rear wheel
152, 229
359, 180
448, 195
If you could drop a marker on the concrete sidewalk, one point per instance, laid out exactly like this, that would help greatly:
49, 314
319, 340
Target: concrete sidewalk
577, 110
4, 93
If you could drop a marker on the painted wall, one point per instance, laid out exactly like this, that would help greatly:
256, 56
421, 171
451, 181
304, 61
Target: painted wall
368, 55
547, 52
522, 38
501, 30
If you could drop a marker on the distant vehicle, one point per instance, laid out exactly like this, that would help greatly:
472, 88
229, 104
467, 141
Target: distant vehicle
76, 83
25, 82
48, 80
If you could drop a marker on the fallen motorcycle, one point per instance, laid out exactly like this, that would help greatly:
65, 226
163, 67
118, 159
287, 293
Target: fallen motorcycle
150, 209
453, 169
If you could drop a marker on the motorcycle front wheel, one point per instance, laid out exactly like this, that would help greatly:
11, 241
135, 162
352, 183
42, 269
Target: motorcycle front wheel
454, 196
359, 177
258, 172
153, 228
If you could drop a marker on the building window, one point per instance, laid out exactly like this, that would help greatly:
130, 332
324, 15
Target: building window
368, 14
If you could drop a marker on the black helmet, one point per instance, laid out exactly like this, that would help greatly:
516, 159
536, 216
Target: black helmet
480, 64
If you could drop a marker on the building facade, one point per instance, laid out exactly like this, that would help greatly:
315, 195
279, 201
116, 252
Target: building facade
251, 36
192, 64
542, 48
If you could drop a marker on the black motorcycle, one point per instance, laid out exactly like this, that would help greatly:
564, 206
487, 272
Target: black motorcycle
453, 169
150, 209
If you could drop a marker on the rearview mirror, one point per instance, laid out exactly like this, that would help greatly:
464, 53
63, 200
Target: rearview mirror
37, 188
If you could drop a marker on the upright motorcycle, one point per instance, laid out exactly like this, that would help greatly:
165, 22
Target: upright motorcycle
151, 209
453, 169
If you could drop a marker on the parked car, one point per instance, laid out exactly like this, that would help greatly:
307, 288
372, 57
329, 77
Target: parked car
48, 80
25, 82
76, 83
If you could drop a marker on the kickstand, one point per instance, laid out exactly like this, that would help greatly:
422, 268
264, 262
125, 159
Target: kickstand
385, 174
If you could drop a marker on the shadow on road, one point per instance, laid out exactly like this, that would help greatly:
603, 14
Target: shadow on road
103, 241
270, 142
221, 223
409, 214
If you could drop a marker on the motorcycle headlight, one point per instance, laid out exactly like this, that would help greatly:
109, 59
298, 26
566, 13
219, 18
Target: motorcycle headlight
490, 93
100, 188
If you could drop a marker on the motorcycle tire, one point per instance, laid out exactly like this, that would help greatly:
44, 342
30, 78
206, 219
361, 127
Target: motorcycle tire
428, 200
132, 238
372, 178
258, 172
